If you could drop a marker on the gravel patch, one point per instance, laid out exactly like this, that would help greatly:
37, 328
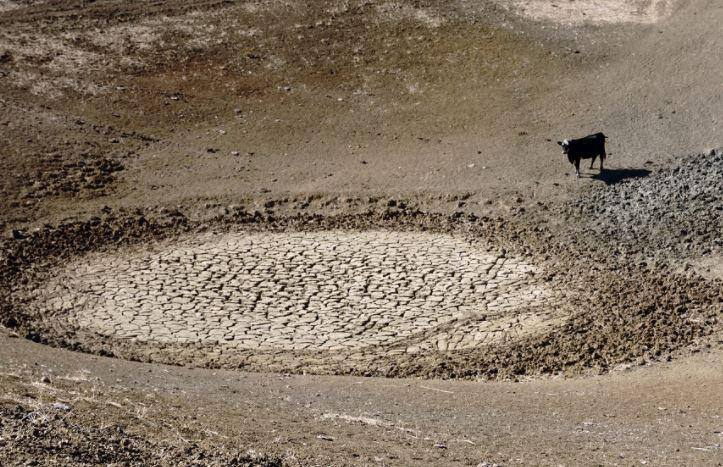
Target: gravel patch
676, 211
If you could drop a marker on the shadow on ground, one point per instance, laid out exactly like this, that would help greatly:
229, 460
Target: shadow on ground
613, 176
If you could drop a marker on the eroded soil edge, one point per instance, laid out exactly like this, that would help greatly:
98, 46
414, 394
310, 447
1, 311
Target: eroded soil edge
613, 308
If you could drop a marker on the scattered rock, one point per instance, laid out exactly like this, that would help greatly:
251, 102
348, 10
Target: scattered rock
680, 199
61, 406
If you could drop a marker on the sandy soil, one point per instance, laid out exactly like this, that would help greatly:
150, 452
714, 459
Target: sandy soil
666, 414
128, 127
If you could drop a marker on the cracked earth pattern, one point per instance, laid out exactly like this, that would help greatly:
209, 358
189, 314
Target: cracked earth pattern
297, 291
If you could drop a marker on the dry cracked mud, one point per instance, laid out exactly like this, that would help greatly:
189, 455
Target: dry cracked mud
332, 290
392, 292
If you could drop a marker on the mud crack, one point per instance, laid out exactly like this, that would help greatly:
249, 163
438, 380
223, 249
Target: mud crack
329, 290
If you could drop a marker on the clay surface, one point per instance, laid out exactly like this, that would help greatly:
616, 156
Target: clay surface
302, 291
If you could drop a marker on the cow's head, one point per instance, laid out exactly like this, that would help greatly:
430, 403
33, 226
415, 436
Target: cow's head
565, 145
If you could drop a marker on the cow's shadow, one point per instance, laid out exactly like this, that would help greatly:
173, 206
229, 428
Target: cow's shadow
613, 176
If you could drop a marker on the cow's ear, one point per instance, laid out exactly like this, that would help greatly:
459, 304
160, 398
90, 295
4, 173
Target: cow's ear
560, 143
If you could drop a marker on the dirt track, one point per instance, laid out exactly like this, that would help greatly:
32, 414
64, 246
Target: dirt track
363, 188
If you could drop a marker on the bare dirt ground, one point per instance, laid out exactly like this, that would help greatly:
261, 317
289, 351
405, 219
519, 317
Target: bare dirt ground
660, 415
342, 233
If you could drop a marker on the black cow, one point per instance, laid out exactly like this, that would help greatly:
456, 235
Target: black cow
588, 147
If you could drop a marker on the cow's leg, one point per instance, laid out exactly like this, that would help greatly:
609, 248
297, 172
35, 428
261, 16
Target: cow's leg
577, 167
602, 159
592, 161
